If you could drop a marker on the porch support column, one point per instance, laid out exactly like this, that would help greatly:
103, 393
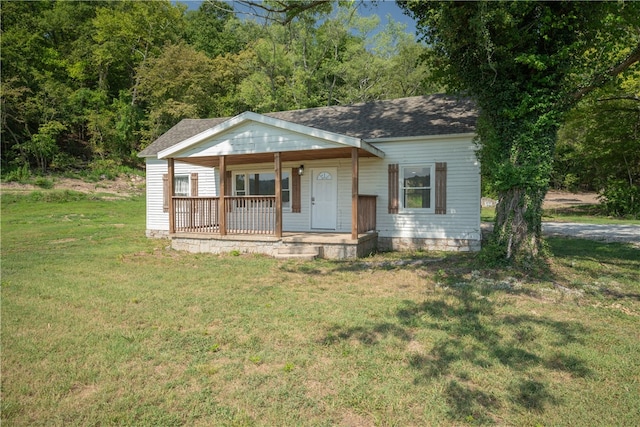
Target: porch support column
278, 172
171, 193
354, 193
222, 206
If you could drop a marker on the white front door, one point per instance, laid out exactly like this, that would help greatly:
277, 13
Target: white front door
324, 198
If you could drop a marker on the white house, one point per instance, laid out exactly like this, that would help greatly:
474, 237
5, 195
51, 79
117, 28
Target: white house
343, 180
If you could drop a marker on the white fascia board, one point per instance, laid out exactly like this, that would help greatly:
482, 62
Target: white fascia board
469, 135
196, 139
270, 121
371, 149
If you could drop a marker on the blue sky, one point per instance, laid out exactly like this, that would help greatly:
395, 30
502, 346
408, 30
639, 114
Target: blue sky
382, 8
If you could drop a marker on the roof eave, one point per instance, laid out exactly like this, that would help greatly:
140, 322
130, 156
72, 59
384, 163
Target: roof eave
188, 143
421, 137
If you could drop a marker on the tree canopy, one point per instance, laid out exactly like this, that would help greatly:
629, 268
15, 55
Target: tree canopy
526, 64
91, 83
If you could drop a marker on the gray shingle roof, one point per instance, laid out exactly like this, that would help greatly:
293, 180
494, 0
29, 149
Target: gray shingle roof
415, 116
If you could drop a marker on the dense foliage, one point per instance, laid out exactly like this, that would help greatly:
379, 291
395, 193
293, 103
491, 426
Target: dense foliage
599, 147
88, 84
526, 64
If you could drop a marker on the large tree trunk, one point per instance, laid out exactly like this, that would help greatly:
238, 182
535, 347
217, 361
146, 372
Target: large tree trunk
518, 223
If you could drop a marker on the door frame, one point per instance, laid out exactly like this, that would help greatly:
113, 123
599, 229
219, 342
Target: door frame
334, 172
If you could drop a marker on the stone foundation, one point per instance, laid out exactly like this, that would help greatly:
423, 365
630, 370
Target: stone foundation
157, 234
365, 247
329, 247
205, 244
412, 244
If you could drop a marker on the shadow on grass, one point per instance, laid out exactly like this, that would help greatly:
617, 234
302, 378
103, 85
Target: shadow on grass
386, 261
478, 337
476, 334
595, 260
369, 335
471, 332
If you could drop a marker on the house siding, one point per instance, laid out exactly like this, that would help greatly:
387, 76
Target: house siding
302, 221
458, 229
461, 223
157, 219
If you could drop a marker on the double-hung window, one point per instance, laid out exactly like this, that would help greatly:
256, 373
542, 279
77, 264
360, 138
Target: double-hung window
416, 187
262, 184
181, 185
184, 185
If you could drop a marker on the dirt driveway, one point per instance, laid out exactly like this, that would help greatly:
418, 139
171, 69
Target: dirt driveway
560, 199
600, 232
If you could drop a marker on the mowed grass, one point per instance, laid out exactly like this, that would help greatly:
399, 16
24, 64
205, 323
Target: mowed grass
101, 326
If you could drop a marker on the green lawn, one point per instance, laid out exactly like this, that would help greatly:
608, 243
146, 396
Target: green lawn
102, 326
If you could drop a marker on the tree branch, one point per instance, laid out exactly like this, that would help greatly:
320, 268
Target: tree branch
600, 79
619, 98
286, 11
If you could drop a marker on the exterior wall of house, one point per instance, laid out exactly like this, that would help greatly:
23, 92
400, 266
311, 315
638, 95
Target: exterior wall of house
157, 220
459, 228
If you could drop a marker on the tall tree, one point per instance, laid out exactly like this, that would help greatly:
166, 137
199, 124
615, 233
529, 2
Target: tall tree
214, 29
38, 79
127, 35
599, 146
526, 64
183, 82
88, 81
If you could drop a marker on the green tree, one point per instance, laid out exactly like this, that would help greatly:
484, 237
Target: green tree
599, 146
214, 29
67, 70
317, 59
127, 35
35, 86
182, 82
525, 64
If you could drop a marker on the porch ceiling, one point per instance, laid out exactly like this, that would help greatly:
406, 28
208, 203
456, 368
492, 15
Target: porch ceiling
287, 156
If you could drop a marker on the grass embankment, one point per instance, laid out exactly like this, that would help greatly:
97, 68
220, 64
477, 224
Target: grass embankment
585, 214
101, 326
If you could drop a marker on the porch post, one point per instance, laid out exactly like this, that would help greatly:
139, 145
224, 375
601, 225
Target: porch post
222, 209
278, 172
172, 211
354, 193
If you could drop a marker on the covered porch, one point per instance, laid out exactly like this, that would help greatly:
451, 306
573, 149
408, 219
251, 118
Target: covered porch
249, 214
241, 210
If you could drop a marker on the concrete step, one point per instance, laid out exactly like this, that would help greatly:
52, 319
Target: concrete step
304, 252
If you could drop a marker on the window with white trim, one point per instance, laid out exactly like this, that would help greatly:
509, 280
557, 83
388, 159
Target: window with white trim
181, 185
262, 184
416, 187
